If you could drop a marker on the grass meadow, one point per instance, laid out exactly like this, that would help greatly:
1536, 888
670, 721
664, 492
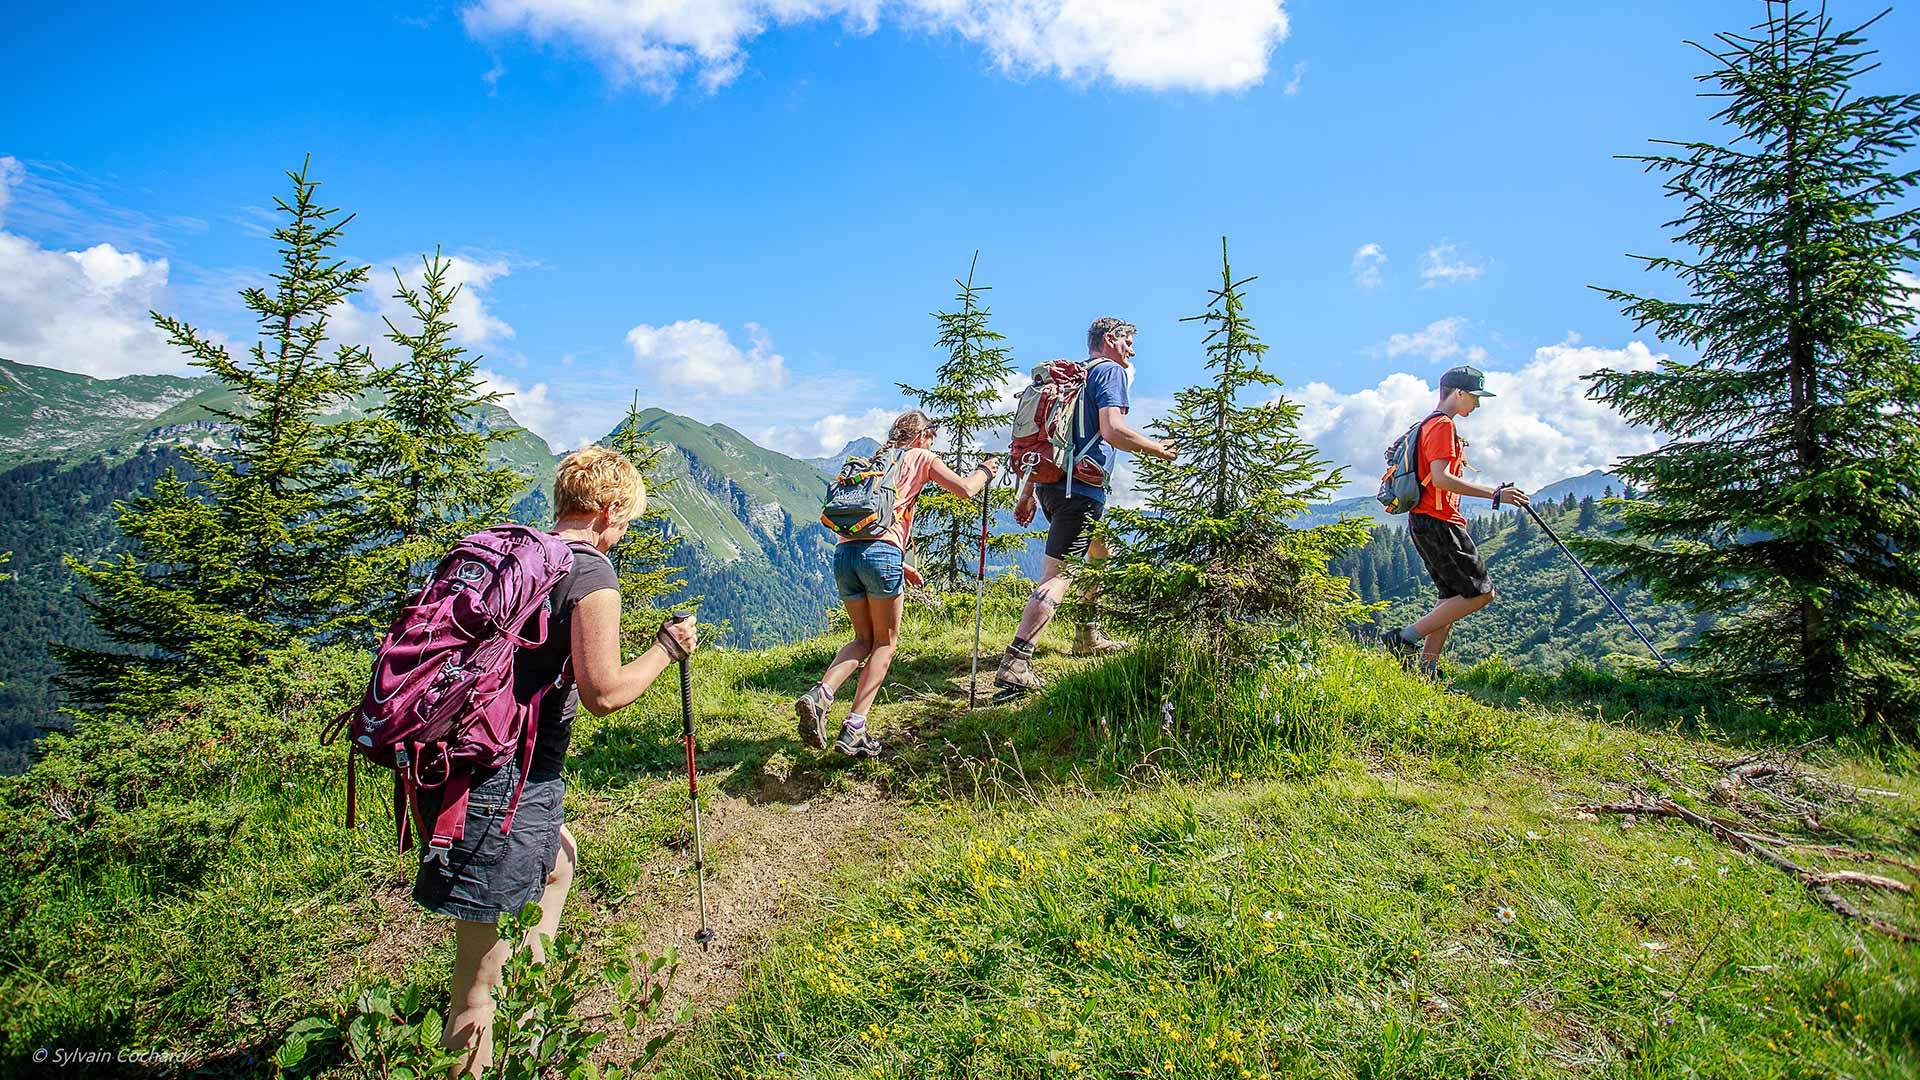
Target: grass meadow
1324, 867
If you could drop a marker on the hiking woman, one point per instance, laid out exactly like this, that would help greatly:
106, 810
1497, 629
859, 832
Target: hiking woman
596, 494
871, 577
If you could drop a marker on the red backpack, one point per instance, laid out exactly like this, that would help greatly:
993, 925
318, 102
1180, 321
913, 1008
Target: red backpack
1046, 425
441, 702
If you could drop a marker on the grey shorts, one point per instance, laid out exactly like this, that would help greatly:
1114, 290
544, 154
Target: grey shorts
490, 875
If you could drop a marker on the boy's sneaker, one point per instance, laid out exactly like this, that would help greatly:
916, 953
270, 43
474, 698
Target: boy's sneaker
1430, 669
1016, 675
1400, 647
812, 708
855, 742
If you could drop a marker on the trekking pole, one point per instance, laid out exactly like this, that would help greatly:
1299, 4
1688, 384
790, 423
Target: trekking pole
704, 936
1551, 535
979, 590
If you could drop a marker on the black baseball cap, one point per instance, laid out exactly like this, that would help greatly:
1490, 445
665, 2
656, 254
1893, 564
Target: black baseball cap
1469, 379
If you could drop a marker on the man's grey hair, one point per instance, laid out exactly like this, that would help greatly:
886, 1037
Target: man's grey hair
1098, 332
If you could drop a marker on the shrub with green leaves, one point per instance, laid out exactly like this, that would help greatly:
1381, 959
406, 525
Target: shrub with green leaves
380, 1032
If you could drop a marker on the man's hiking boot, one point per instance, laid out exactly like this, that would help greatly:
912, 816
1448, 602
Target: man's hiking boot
1402, 649
812, 708
855, 742
1090, 640
1016, 676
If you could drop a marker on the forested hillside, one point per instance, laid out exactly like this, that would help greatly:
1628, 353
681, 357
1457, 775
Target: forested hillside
77, 445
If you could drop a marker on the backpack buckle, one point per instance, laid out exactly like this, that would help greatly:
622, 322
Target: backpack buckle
439, 849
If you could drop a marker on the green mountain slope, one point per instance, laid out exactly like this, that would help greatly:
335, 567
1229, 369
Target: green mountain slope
74, 445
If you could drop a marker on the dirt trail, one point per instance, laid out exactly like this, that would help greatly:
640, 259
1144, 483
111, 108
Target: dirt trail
770, 857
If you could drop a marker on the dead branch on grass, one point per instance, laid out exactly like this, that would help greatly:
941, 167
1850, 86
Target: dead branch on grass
1765, 847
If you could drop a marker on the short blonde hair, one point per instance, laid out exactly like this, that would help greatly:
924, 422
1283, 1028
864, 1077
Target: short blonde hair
590, 480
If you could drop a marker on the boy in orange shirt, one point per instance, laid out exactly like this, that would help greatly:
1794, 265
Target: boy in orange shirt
1439, 530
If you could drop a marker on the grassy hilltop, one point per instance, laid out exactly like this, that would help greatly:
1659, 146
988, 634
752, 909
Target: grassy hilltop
1348, 873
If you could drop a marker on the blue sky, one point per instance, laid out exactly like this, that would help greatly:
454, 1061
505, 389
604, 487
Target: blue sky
746, 209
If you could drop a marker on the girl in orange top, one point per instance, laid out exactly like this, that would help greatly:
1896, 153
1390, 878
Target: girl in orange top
871, 576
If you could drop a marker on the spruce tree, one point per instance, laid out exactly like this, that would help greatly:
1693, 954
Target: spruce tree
261, 547
962, 400
425, 477
1211, 557
1784, 504
643, 557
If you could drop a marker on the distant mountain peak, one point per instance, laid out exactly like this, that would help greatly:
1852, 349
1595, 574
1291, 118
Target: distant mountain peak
860, 447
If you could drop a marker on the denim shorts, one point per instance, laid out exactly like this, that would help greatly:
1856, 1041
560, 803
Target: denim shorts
868, 570
489, 875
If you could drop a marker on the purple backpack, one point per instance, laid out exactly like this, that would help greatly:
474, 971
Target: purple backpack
441, 702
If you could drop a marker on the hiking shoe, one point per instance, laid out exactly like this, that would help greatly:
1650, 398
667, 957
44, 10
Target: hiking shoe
1430, 669
1402, 649
812, 708
1090, 640
855, 742
1016, 675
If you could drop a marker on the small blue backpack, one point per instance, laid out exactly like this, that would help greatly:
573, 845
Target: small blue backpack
1400, 487
860, 501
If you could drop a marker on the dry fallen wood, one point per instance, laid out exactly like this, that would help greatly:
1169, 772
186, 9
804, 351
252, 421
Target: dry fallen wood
1779, 755
1849, 854
1867, 881
1815, 883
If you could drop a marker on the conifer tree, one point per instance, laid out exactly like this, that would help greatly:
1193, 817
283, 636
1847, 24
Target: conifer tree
643, 557
425, 476
962, 401
1212, 556
260, 549
1784, 503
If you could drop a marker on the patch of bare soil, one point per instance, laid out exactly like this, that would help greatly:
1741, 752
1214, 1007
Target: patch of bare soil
771, 857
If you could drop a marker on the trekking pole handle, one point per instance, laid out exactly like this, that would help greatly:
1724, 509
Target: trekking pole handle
1498, 492
686, 688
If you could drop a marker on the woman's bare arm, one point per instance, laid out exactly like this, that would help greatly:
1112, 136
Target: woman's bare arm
964, 486
606, 684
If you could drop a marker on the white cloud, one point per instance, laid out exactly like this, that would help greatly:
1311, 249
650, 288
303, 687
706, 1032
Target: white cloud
476, 327
696, 355
829, 434
12, 173
1539, 427
1204, 45
1443, 267
1367, 260
1440, 340
1293, 84
537, 412
83, 311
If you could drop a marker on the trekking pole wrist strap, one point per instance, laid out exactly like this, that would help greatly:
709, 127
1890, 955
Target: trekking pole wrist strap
669, 646
1498, 493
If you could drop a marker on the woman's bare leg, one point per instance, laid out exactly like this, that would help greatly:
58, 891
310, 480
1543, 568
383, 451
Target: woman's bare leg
555, 896
848, 659
478, 957
883, 630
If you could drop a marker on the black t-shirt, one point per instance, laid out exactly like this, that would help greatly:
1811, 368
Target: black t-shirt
532, 667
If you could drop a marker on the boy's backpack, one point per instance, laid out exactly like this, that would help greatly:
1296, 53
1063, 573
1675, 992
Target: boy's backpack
1046, 425
861, 499
1400, 486
441, 702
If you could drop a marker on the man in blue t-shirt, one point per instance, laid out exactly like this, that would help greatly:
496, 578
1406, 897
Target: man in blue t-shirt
1073, 506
